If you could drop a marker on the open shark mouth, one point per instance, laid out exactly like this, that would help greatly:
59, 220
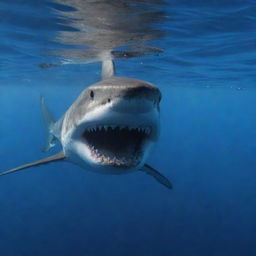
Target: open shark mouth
117, 146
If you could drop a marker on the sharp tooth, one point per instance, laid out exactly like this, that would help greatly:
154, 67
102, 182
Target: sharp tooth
105, 127
113, 127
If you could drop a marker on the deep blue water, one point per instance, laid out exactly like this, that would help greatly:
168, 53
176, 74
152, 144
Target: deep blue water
207, 145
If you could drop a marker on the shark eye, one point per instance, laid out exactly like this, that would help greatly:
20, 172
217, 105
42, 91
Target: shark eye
92, 95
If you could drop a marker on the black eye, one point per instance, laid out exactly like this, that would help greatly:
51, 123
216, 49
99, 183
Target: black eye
92, 94
109, 100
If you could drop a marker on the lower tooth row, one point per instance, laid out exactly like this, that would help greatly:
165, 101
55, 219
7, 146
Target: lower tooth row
122, 161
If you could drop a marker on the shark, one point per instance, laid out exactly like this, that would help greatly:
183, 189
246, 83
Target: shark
110, 128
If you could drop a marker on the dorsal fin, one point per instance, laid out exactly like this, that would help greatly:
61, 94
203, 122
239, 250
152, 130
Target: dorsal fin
108, 69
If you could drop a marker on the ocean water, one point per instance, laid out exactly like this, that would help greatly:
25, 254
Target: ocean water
202, 57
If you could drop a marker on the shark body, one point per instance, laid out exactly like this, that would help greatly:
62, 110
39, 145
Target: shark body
110, 128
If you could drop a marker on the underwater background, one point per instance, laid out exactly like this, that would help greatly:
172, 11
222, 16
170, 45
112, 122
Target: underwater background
202, 57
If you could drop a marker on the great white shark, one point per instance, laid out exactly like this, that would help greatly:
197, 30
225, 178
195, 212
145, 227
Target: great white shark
110, 128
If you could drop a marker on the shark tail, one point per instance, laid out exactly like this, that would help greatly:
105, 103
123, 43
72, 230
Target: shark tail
49, 122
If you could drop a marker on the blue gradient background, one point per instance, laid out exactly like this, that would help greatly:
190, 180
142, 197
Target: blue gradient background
206, 148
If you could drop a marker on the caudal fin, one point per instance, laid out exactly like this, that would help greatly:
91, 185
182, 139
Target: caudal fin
49, 123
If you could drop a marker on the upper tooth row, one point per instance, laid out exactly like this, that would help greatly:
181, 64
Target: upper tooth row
100, 127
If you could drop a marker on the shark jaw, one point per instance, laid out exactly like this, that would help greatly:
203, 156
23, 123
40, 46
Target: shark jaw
119, 146
116, 137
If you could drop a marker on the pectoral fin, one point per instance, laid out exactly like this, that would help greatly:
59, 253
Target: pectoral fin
157, 175
58, 157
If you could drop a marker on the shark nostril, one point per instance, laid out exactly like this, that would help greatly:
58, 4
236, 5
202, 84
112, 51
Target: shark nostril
92, 95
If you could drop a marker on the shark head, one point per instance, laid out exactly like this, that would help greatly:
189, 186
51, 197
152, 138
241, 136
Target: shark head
112, 125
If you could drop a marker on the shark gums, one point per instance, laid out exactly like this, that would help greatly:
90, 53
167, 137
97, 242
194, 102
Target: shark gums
110, 128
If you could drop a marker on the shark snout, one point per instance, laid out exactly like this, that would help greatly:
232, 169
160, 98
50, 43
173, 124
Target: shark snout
134, 106
143, 91
122, 92
139, 99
